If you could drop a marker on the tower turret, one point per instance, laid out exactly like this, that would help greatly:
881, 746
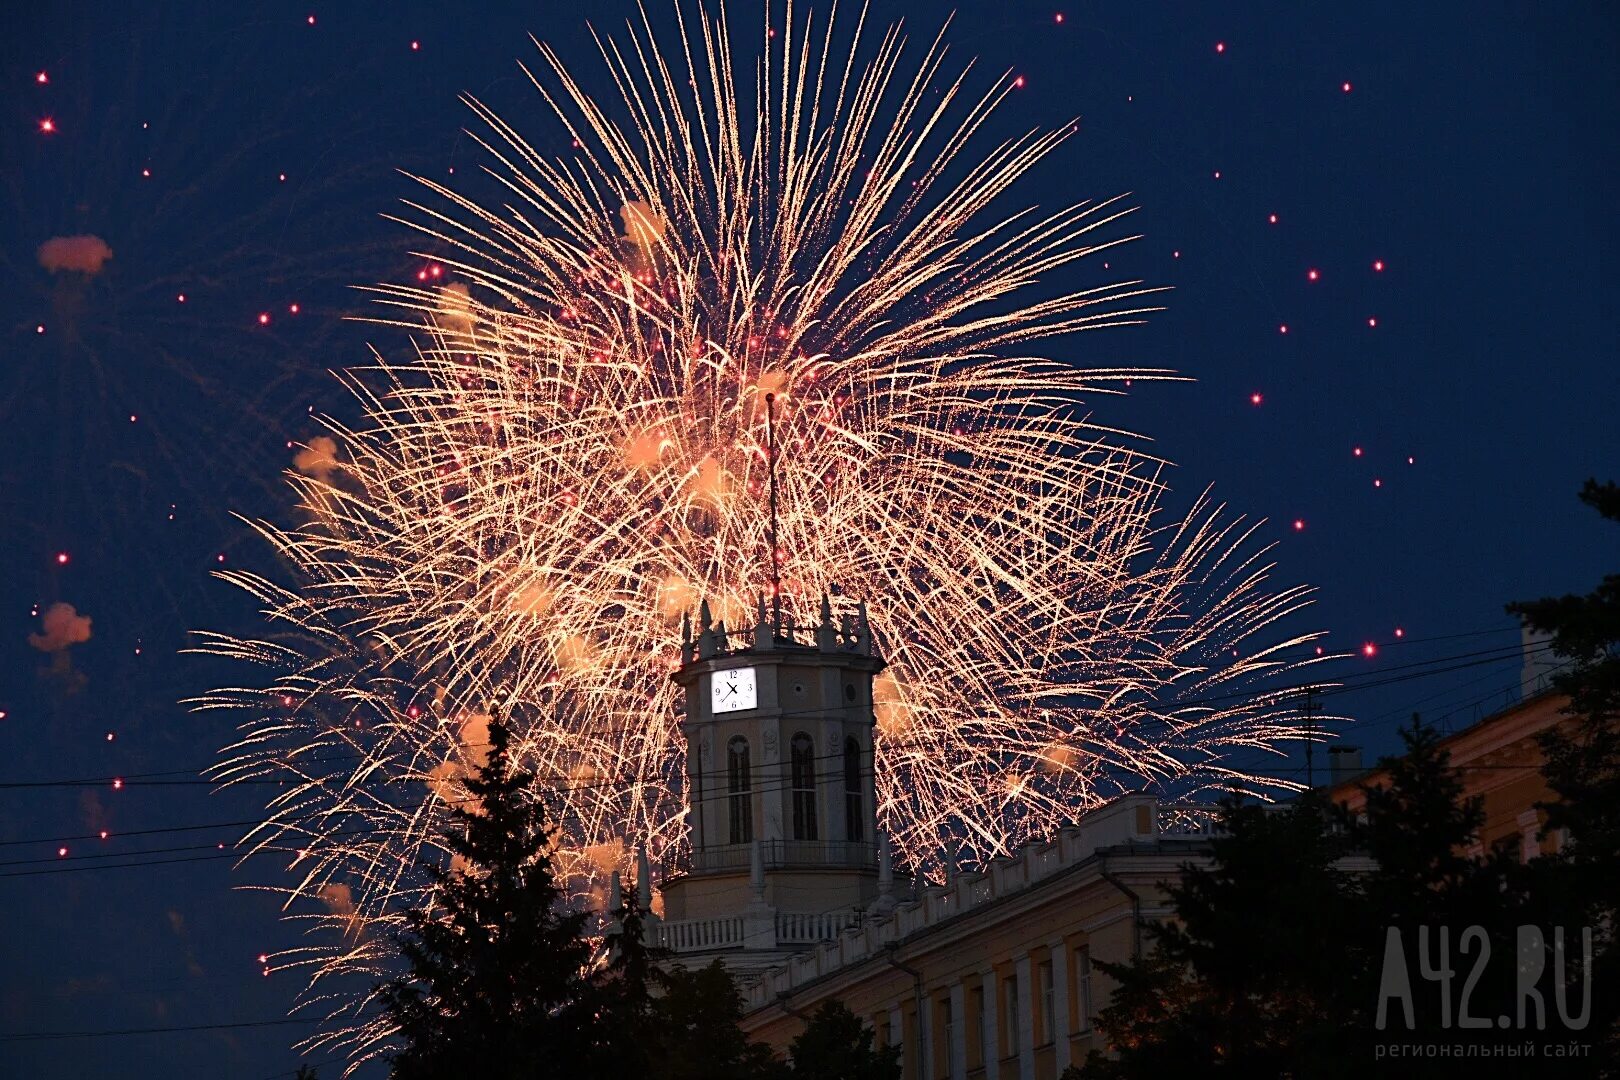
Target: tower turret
782, 810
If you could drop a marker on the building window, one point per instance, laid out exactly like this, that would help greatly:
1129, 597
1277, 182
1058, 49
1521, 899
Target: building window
1082, 982
982, 1053
1048, 1000
1009, 1047
803, 780
947, 1027
738, 783
854, 829
697, 804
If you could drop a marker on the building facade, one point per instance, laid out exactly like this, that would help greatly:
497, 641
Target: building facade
781, 802
1499, 760
993, 974
789, 882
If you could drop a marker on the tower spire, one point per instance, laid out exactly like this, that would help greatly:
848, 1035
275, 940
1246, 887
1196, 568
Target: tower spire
776, 573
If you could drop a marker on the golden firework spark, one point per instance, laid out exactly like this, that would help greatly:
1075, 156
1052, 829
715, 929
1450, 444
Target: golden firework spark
575, 456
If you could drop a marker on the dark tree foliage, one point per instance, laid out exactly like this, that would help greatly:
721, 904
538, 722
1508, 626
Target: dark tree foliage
1241, 983
835, 1045
497, 986
1275, 964
501, 982
306, 1072
1577, 886
1583, 759
698, 1038
628, 1029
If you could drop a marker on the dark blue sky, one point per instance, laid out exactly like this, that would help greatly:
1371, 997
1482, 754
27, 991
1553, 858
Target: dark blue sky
1473, 155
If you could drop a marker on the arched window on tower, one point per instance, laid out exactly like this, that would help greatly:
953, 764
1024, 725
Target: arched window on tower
696, 802
803, 782
738, 781
854, 813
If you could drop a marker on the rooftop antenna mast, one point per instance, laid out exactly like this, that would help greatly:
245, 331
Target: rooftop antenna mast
1310, 710
776, 572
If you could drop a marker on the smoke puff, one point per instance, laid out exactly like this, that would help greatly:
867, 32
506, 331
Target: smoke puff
456, 312
338, 897
318, 459
643, 226
66, 679
339, 900
79, 254
62, 626
445, 777
475, 738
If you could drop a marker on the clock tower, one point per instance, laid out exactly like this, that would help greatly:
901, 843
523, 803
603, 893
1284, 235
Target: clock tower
781, 803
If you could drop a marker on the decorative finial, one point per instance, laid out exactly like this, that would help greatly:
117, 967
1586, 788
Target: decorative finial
826, 636
643, 879
763, 634
614, 911
705, 643
864, 629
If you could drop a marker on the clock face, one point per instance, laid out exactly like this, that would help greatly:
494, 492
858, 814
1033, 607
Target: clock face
732, 690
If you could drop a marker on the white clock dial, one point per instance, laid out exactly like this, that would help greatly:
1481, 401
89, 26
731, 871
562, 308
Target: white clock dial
733, 690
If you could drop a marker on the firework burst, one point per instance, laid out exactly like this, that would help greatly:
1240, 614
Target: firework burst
573, 457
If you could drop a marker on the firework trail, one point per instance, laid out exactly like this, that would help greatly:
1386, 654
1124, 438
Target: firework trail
573, 457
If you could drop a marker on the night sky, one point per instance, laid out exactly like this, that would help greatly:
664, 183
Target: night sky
1420, 194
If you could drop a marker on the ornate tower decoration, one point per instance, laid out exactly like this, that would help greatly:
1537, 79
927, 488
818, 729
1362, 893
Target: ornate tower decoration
781, 800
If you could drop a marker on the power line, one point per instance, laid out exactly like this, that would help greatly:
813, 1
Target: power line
270, 847
123, 866
130, 780
309, 1064
136, 860
1339, 685
41, 1036
1405, 673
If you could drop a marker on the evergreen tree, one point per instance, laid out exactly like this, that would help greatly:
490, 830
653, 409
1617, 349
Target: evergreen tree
1242, 983
1583, 759
1576, 886
835, 1045
629, 1029
1275, 964
496, 987
696, 1023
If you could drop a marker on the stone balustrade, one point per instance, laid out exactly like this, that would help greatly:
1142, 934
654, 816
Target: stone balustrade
794, 929
697, 935
1126, 820
833, 939
786, 929
775, 855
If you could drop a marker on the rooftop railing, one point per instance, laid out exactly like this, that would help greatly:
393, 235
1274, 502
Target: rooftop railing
777, 855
